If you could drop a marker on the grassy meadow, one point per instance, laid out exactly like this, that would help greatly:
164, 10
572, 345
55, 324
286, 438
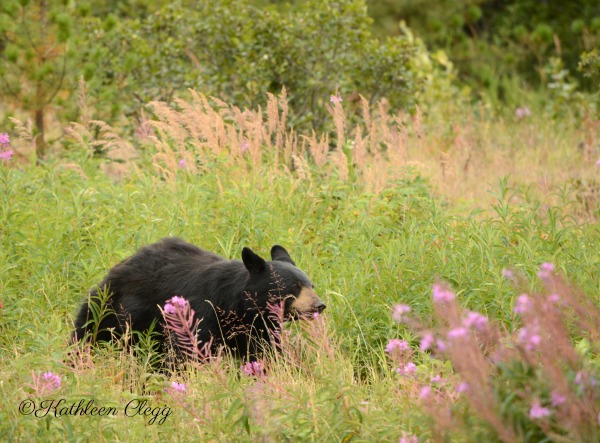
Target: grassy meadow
376, 213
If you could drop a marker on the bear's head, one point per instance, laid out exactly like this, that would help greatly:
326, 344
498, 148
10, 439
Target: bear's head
280, 281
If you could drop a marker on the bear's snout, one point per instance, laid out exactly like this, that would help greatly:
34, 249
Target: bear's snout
307, 303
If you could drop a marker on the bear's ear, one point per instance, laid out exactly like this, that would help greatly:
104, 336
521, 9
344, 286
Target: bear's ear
280, 254
252, 262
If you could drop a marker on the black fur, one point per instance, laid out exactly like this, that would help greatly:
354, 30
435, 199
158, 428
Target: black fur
230, 297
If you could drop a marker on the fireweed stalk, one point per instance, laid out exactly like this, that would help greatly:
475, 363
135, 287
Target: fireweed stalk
557, 388
181, 326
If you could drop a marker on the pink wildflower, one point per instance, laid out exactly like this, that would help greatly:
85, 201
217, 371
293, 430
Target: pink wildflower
6, 155
523, 304
174, 304
529, 338
442, 295
399, 313
508, 274
409, 439
521, 112
440, 345
335, 98
546, 270
244, 146
583, 377
426, 341
457, 333
462, 387
537, 411
425, 392
4, 139
408, 369
182, 163
52, 380
549, 267
557, 398
475, 320
436, 379
396, 345
253, 369
554, 298
177, 388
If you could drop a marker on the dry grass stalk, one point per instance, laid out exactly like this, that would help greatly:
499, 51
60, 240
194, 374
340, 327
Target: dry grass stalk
283, 120
359, 151
99, 138
82, 103
342, 165
319, 148
339, 120
25, 131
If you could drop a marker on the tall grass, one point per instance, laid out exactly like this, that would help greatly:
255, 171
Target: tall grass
457, 150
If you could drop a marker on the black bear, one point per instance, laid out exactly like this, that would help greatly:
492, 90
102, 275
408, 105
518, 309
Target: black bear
231, 298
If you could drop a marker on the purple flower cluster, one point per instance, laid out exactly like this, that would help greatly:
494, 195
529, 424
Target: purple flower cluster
52, 381
253, 369
475, 320
409, 439
425, 392
537, 411
546, 270
5, 153
441, 294
396, 345
459, 332
523, 304
436, 379
557, 398
462, 387
529, 337
176, 304
427, 341
399, 313
408, 369
177, 388
508, 274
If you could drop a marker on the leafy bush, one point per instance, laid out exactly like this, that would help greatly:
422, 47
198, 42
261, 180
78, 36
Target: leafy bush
238, 52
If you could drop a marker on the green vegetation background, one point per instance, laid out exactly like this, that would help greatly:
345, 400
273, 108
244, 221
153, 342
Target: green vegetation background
455, 71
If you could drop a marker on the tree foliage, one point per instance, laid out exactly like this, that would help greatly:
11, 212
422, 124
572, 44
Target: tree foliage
238, 52
35, 56
488, 38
